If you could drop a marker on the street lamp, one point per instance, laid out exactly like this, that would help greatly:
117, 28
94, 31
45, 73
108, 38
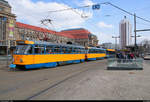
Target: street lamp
135, 41
136, 37
115, 40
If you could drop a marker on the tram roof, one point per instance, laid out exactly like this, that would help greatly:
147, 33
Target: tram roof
96, 48
110, 49
50, 43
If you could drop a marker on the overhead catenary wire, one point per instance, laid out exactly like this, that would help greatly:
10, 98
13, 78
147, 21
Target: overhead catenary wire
143, 9
127, 12
69, 9
107, 3
143, 24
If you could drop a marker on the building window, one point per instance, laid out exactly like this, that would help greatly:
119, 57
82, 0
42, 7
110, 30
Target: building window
22, 37
1, 9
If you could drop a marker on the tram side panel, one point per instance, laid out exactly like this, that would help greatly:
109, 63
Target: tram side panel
46, 60
94, 56
95, 53
23, 59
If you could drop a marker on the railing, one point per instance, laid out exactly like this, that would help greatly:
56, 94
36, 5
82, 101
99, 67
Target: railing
114, 63
3, 43
7, 43
5, 60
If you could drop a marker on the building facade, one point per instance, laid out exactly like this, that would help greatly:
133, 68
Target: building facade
7, 27
125, 31
10, 31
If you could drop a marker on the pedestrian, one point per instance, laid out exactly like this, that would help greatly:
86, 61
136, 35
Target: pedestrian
118, 57
132, 56
122, 57
129, 57
126, 57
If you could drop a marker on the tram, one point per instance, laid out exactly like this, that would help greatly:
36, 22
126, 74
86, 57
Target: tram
39, 54
110, 53
95, 53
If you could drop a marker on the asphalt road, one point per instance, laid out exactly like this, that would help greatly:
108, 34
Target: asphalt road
84, 81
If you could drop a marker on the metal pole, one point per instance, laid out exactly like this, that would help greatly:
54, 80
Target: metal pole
142, 30
135, 28
115, 42
7, 52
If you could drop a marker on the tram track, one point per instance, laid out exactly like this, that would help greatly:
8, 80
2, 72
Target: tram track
59, 82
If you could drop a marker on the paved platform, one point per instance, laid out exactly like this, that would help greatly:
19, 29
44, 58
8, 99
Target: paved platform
85, 81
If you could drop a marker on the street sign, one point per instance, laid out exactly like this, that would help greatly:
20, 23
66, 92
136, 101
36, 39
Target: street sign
96, 7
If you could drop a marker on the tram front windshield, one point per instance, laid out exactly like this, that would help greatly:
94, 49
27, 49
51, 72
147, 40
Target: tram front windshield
23, 49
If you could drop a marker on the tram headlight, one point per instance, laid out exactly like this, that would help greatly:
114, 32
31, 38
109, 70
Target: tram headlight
21, 60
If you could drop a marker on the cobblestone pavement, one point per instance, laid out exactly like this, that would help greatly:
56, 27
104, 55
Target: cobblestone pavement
87, 81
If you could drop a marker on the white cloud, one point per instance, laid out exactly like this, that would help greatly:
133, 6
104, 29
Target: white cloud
33, 12
105, 37
83, 2
88, 2
104, 25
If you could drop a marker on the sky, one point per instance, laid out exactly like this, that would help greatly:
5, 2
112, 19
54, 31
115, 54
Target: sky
104, 23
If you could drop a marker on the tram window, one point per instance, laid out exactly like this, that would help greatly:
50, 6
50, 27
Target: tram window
39, 49
70, 50
19, 49
79, 50
75, 50
28, 50
49, 49
64, 49
91, 50
57, 49
103, 51
100, 51
82, 50
96, 51
23, 49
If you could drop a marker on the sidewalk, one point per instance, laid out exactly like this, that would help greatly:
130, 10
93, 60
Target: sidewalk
5, 61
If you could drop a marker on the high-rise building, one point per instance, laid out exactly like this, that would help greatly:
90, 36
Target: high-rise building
125, 31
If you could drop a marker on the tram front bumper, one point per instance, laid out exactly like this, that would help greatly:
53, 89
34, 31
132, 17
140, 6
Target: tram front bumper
12, 66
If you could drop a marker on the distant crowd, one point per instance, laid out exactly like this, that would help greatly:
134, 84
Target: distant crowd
124, 56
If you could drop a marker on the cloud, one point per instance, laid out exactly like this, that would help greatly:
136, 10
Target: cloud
83, 2
105, 37
104, 25
88, 2
33, 12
